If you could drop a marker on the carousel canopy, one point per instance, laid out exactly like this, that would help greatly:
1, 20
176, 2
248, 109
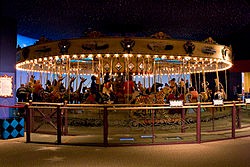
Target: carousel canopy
158, 54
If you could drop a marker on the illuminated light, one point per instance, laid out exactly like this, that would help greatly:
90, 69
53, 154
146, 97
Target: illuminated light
163, 56
147, 56
56, 57
155, 56
98, 55
187, 58
116, 55
179, 57
90, 55
139, 55
201, 58
107, 55
171, 57
74, 56
147, 136
82, 55
130, 55
195, 58
125, 55
40, 59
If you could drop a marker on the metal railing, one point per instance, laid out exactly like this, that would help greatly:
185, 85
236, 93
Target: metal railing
121, 124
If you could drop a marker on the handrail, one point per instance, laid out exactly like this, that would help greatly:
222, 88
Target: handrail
105, 108
129, 106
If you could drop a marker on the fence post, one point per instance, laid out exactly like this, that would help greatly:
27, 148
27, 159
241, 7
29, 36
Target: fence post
28, 123
31, 116
233, 120
198, 123
213, 119
183, 120
238, 117
65, 121
105, 126
153, 125
59, 125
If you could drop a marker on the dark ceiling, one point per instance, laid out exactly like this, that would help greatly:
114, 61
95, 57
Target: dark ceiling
226, 21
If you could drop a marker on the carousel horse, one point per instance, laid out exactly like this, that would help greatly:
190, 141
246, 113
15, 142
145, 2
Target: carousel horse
107, 91
153, 98
54, 91
94, 94
220, 95
192, 96
188, 98
135, 94
45, 95
220, 92
118, 90
148, 97
203, 96
77, 97
161, 95
154, 88
174, 94
68, 94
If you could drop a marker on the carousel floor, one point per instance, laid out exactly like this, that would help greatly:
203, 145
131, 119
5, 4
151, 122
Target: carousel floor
230, 153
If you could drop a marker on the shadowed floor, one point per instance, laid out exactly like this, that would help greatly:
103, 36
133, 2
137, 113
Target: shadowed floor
230, 153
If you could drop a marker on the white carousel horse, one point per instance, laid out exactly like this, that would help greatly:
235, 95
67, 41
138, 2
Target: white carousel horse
220, 93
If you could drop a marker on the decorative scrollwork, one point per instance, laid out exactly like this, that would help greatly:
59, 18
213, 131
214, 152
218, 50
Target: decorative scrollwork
64, 46
160, 35
189, 47
210, 40
127, 44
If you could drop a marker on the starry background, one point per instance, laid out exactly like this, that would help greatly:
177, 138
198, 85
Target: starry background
226, 21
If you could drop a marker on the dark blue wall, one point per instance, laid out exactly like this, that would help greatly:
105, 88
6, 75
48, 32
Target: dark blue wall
8, 40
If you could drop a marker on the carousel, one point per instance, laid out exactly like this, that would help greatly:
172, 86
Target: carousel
159, 66
129, 90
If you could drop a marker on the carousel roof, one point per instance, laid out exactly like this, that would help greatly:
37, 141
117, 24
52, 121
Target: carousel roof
227, 22
138, 55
